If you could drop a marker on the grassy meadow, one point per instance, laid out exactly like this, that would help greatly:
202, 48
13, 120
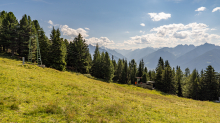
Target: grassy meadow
30, 93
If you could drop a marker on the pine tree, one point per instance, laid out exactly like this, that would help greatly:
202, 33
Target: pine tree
119, 70
3, 43
210, 85
187, 72
158, 79
141, 68
58, 51
95, 70
9, 33
168, 79
102, 63
125, 73
115, 70
179, 84
144, 78
78, 55
133, 69
108, 68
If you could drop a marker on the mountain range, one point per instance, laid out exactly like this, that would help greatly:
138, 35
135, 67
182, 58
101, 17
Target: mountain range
190, 56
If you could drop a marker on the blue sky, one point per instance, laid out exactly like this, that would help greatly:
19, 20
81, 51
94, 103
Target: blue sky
126, 24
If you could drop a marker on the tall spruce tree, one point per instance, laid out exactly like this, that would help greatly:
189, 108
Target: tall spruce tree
9, 33
95, 70
179, 83
210, 85
168, 79
108, 68
133, 69
79, 57
141, 68
58, 51
119, 71
125, 73
159, 84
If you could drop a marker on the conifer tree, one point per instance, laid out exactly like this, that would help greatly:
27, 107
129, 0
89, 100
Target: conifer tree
168, 79
108, 68
141, 68
179, 79
9, 33
210, 85
102, 63
125, 73
58, 51
133, 69
3, 43
95, 70
119, 70
115, 70
158, 79
79, 57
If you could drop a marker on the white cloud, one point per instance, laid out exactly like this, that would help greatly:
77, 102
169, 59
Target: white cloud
73, 32
200, 9
159, 16
213, 29
216, 9
142, 24
50, 26
102, 41
87, 28
142, 31
174, 34
126, 32
50, 22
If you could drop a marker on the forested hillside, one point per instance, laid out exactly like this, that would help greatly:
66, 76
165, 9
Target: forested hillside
21, 38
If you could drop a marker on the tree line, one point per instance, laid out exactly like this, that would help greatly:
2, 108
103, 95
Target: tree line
60, 54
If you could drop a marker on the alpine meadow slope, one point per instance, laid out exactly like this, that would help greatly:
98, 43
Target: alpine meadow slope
33, 94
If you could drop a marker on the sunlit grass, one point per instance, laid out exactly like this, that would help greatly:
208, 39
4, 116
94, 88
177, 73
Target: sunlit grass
34, 94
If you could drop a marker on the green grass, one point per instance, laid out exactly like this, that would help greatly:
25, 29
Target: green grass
34, 94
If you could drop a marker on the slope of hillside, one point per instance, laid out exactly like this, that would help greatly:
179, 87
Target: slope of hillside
211, 57
33, 94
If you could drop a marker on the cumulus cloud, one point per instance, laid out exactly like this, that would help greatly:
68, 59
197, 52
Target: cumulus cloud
50, 22
142, 24
159, 16
73, 32
200, 9
102, 41
216, 9
87, 28
174, 34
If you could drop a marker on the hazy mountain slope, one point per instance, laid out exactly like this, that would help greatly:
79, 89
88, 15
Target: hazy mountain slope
181, 49
114, 53
139, 53
110, 52
211, 57
199, 50
151, 60
123, 51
